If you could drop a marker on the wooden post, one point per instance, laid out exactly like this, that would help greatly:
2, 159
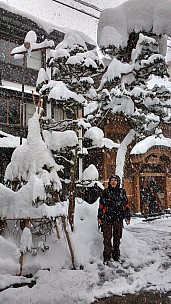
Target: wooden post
21, 259
57, 230
22, 105
138, 193
68, 240
21, 263
167, 201
72, 193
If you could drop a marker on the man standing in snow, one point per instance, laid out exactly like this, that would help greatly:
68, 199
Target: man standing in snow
113, 208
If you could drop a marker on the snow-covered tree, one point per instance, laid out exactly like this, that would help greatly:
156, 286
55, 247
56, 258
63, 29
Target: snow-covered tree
32, 195
73, 70
135, 57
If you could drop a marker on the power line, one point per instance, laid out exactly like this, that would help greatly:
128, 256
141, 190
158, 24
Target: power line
89, 5
74, 8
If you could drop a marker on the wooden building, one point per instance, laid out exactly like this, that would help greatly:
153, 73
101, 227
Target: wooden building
152, 167
13, 29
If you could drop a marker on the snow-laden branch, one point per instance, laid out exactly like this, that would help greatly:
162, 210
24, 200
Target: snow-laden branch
121, 153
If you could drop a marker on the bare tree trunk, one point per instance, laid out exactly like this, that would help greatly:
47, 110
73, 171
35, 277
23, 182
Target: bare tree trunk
72, 194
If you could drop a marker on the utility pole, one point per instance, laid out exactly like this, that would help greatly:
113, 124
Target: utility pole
22, 103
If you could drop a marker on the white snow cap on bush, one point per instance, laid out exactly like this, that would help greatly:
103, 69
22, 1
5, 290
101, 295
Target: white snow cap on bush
42, 77
32, 156
31, 37
96, 134
56, 140
71, 41
90, 174
134, 15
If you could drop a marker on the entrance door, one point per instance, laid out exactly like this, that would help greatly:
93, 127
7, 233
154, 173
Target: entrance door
152, 193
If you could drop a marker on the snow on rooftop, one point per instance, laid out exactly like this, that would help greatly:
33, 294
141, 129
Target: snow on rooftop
151, 141
47, 26
133, 15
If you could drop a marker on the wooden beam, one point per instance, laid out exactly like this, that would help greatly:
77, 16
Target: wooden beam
138, 193
152, 174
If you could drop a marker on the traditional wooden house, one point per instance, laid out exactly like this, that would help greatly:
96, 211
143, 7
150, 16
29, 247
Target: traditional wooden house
13, 29
17, 81
151, 167
18, 78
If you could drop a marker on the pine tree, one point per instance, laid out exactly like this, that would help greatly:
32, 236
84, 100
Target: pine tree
72, 86
128, 92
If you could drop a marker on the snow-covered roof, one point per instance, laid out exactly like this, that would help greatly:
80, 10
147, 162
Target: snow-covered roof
9, 141
14, 86
144, 145
133, 15
47, 26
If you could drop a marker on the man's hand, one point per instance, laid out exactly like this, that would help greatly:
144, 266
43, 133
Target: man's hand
127, 222
99, 222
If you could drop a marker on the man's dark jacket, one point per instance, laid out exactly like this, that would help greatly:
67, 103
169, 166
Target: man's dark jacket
113, 205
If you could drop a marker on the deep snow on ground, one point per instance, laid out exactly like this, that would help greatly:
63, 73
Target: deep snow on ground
145, 263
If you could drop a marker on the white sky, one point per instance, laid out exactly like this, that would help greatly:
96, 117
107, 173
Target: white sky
60, 15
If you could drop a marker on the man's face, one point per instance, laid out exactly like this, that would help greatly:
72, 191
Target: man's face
113, 182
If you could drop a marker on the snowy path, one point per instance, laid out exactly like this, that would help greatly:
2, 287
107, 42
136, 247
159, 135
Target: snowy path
145, 265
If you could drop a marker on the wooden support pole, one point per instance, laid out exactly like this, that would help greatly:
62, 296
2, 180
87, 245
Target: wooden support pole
21, 259
167, 194
21, 263
57, 229
68, 240
72, 194
138, 193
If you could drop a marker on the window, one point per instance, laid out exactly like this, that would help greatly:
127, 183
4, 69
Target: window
5, 52
59, 114
34, 61
9, 111
29, 111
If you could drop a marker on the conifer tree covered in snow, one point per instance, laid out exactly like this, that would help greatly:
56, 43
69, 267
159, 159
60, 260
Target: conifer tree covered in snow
135, 55
31, 198
71, 87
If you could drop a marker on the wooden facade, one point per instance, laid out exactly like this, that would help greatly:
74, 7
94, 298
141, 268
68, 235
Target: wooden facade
152, 166
14, 75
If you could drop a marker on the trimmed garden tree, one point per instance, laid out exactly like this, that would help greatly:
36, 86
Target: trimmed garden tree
135, 57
